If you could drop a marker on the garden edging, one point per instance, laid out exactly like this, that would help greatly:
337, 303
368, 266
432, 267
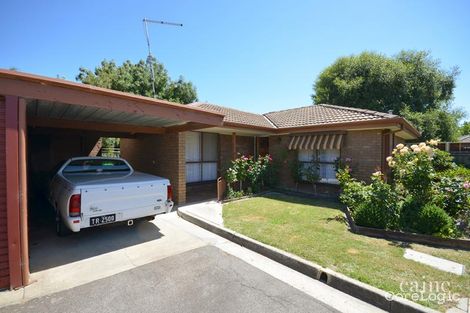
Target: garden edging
355, 288
407, 237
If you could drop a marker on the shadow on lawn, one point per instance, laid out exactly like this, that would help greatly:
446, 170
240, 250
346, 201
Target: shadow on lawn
323, 203
338, 218
399, 244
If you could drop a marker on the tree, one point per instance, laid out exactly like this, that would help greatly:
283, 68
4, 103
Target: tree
136, 79
411, 83
435, 123
465, 128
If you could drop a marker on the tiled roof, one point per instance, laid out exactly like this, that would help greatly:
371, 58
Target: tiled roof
312, 115
236, 116
465, 138
322, 114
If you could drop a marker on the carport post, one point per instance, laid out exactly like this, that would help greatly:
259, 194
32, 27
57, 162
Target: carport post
12, 191
22, 157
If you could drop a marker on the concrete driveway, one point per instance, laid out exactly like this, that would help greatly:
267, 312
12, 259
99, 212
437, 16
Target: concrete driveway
168, 265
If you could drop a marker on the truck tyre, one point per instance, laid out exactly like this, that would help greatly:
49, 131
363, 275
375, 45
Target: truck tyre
60, 228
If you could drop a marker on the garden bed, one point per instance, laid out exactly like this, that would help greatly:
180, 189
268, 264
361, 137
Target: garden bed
407, 237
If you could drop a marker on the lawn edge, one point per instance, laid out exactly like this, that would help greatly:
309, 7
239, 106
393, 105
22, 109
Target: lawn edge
372, 295
447, 243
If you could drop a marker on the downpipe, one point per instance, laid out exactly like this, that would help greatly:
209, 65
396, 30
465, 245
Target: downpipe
130, 222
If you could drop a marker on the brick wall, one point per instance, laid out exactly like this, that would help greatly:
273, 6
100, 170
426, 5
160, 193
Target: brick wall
397, 140
162, 155
278, 149
365, 149
245, 145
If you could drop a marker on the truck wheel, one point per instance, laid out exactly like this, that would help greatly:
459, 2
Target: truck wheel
60, 228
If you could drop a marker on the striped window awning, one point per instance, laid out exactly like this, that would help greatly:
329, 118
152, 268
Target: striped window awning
315, 142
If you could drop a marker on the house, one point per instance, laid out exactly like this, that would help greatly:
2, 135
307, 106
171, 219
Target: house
45, 120
465, 139
321, 133
460, 150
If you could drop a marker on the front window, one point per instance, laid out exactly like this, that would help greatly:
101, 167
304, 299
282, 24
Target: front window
324, 160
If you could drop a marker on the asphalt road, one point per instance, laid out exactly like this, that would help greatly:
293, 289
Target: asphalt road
205, 279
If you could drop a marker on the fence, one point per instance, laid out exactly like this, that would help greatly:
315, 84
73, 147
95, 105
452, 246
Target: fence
459, 150
110, 152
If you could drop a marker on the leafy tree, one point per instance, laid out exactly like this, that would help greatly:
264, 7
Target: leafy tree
465, 128
136, 79
435, 123
377, 82
411, 83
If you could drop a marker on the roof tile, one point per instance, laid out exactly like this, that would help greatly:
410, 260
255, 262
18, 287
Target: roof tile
321, 114
312, 115
236, 116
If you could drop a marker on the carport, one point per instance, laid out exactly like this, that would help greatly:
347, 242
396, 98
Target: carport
44, 120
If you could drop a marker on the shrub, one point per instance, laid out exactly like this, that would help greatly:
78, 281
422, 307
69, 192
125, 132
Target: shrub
296, 171
429, 194
353, 193
234, 194
373, 205
413, 170
380, 208
271, 176
370, 216
458, 172
442, 160
453, 195
311, 174
385, 198
410, 209
248, 173
433, 220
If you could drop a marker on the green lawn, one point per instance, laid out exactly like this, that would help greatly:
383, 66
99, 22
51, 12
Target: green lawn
316, 231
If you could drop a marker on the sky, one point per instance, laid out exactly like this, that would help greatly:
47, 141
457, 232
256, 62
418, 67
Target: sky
258, 56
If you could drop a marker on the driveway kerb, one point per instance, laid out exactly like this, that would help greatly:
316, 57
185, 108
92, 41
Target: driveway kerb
355, 288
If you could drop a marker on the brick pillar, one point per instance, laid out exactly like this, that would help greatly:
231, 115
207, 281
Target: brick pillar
162, 155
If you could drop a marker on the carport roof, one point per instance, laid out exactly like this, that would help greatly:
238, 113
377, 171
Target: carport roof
64, 103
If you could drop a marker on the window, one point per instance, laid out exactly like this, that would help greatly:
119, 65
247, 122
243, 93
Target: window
201, 157
324, 160
96, 166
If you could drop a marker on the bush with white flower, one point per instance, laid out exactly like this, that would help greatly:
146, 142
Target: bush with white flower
421, 197
413, 170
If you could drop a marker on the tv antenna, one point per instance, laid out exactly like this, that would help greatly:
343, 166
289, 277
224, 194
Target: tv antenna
150, 56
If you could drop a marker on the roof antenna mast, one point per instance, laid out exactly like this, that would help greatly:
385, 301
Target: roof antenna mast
150, 56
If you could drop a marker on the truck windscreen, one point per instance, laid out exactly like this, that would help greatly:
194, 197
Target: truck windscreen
96, 166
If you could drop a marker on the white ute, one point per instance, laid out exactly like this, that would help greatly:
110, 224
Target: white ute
92, 191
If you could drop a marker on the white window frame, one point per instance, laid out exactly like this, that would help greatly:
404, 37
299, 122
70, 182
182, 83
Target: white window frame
316, 161
202, 161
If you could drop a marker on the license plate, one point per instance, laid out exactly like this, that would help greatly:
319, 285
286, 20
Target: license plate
103, 219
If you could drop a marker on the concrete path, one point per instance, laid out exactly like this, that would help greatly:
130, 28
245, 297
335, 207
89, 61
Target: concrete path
184, 268
439, 263
210, 211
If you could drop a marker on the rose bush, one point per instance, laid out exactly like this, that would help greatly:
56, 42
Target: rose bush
420, 198
249, 173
